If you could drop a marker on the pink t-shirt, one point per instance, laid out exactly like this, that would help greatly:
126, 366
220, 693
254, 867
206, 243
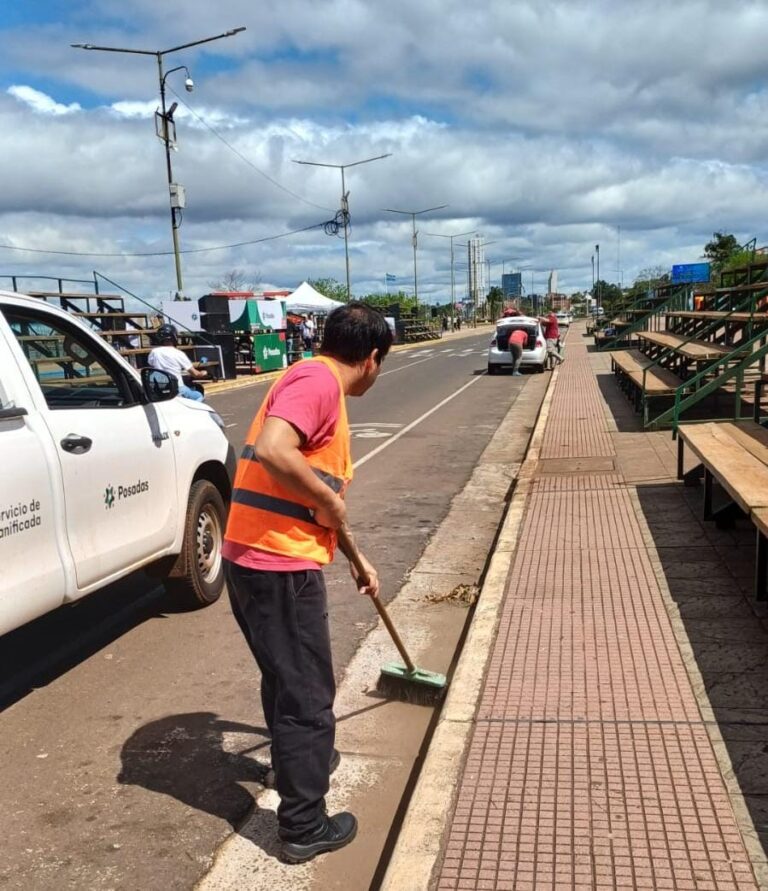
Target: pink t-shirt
307, 396
519, 336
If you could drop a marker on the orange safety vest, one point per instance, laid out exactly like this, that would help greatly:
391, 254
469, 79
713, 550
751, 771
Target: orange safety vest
268, 517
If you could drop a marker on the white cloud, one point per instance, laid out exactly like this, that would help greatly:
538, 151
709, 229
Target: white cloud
40, 102
544, 125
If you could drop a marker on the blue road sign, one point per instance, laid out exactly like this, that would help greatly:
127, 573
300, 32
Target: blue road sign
683, 273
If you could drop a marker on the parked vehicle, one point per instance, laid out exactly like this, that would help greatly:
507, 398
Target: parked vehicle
534, 352
104, 471
563, 319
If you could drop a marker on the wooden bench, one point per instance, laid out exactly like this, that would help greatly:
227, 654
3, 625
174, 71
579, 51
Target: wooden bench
712, 315
735, 454
656, 381
697, 350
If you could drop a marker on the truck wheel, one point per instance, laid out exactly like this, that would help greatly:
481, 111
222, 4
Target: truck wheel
201, 551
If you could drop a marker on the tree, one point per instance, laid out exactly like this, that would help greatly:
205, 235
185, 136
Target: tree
235, 280
646, 281
330, 288
382, 301
610, 296
721, 249
495, 301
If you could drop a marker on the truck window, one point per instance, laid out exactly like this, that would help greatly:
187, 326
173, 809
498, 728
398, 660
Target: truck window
70, 371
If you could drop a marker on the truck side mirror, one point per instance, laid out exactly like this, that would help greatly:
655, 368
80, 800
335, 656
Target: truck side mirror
159, 386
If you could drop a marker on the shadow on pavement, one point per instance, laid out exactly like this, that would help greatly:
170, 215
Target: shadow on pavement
184, 756
43, 650
623, 412
709, 572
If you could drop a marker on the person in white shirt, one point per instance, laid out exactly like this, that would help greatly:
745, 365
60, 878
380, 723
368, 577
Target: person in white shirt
168, 357
308, 331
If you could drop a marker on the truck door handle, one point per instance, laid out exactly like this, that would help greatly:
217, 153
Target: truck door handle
76, 445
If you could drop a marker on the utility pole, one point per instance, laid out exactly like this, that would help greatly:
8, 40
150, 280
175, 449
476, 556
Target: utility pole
453, 270
175, 191
345, 200
597, 252
414, 241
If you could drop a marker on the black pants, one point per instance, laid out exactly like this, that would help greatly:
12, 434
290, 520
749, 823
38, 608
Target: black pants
284, 617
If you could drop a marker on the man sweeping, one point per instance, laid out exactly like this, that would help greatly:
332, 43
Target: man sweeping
287, 502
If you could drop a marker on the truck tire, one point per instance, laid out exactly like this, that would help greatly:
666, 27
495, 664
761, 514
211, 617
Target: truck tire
203, 581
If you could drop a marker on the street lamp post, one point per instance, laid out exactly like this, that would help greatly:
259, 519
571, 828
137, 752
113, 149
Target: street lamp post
175, 195
414, 240
345, 199
597, 252
453, 270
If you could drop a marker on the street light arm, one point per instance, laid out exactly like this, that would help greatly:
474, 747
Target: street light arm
113, 49
367, 160
141, 52
230, 33
177, 68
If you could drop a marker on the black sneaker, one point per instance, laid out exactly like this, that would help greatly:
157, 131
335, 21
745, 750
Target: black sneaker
268, 780
335, 832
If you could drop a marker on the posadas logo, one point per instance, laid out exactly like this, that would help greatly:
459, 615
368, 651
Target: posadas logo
112, 494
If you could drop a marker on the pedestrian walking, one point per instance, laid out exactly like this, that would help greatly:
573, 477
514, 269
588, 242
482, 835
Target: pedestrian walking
551, 335
516, 344
287, 503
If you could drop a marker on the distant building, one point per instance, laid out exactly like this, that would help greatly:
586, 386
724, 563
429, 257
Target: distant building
512, 284
560, 302
552, 284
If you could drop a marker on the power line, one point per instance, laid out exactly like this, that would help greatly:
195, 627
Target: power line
220, 247
242, 156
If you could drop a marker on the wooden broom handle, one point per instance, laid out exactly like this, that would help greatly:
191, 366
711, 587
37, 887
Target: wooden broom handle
347, 545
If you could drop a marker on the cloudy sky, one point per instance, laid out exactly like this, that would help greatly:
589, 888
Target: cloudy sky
546, 127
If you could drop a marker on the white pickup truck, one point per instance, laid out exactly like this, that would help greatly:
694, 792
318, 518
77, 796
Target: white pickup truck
102, 470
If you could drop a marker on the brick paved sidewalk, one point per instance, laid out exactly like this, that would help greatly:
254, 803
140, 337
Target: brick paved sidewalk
590, 763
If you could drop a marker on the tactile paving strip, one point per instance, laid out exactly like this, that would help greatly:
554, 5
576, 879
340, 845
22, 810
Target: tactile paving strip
598, 805
590, 765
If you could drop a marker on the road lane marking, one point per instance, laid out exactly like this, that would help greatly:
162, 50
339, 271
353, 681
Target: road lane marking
409, 427
372, 430
403, 367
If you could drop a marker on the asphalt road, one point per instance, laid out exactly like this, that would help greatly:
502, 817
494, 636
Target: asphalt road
122, 713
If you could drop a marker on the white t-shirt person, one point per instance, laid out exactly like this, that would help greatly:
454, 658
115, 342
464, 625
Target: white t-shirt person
177, 363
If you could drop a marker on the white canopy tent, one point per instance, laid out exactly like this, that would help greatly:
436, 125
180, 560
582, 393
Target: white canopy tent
306, 299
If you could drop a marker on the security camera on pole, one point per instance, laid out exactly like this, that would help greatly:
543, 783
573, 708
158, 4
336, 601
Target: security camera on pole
166, 129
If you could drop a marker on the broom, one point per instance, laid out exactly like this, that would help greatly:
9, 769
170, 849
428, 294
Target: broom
401, 681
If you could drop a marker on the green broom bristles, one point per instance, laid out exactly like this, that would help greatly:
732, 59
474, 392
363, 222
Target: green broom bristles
419, 686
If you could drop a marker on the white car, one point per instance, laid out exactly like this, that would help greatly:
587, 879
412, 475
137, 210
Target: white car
563, 319
534, 352
104, 471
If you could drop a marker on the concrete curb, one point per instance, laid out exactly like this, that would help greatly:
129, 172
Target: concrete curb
420, 840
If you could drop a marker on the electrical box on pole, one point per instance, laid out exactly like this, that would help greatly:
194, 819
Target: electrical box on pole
178, 196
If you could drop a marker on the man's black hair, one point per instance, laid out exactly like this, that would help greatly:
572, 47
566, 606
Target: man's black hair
352, 331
